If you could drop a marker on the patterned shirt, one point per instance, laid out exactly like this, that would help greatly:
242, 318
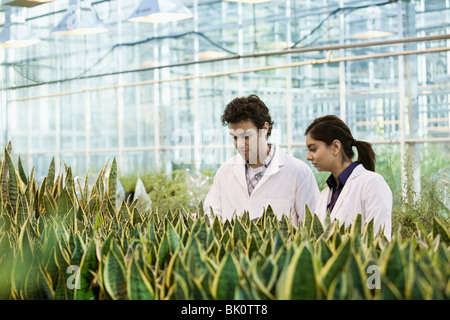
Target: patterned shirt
252, 181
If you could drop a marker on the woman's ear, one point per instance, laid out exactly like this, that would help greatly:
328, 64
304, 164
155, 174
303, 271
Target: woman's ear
336, 146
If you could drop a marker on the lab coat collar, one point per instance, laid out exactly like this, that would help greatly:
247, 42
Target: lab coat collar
356, 172
239, 168
277, 161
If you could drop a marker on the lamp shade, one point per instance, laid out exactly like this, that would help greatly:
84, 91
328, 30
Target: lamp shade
159, 11
15, 33
371, 34
25, 3
249, 1
80, 20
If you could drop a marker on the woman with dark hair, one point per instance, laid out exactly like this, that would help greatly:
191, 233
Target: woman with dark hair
353, 187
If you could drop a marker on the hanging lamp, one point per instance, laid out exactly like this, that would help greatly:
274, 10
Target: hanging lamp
15, 33
373, 25
160, 11
249, 1
25, 3
370, 34
80, 19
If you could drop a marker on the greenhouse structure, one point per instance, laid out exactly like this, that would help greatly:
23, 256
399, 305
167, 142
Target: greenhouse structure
112, 136
151, 94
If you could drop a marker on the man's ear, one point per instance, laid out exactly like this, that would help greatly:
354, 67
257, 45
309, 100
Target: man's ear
266, 127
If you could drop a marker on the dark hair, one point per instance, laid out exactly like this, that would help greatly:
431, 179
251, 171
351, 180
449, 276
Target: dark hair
329, 128
247, 108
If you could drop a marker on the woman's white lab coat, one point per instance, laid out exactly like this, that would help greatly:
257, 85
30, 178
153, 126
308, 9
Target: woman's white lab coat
287, 185
365, 192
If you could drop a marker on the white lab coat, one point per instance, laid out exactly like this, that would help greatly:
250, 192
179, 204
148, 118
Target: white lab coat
365, 192
287, 185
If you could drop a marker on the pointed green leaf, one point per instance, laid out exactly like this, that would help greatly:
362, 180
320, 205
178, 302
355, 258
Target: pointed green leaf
114, 276
369, 231
32, 287
217, 228
163, 251
138, 286
25, 245
46, 284
278, 242
301, 276
112, 184
307, 222
239, 232
106, 246
64, 203
284, 227
336, 263
22, 174
154, 238
439, 229
356, 226
51, 174
226, 279
4, 181
13, 182
84, 277
49, 204
327, 219
317, 228
359, 278
174, 238
61, 290
70, 185
394, 266
269, 212
255, 234
325, 252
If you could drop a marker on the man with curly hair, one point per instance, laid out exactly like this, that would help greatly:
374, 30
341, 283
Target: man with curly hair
261, 174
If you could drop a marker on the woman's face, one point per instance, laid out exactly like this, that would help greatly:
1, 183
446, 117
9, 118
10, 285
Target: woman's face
322, 157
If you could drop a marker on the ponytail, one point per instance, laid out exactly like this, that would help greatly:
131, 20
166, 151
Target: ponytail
366, 155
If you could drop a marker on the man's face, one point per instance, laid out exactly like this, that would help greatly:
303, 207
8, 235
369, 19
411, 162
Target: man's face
249, 141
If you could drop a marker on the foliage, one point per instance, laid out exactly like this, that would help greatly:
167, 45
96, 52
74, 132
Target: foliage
411, 206
165, 191
57, 245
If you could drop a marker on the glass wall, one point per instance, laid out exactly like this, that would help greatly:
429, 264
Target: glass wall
152, 95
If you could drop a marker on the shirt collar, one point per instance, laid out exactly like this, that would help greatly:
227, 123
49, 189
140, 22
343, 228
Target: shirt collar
343, 177
269, 157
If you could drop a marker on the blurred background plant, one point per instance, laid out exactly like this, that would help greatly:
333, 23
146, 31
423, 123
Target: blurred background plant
410, 204
182, 188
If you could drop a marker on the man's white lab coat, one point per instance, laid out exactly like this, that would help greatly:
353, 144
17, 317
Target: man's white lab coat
287, 185
365, 192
